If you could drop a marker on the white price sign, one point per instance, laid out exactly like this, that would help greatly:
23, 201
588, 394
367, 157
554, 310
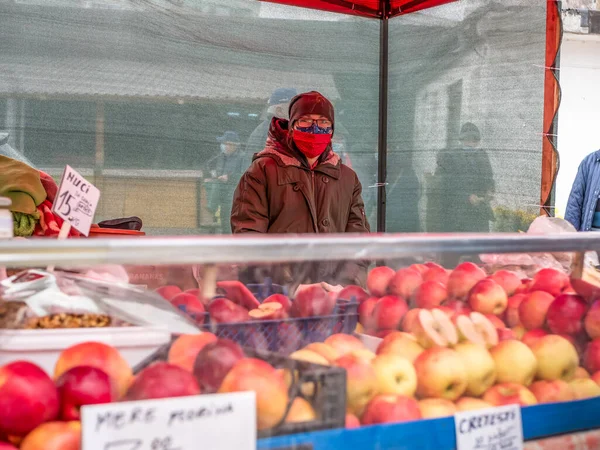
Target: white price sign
489, 429
217, 422
76, 201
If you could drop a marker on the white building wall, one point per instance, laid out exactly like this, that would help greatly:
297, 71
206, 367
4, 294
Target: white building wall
579, 113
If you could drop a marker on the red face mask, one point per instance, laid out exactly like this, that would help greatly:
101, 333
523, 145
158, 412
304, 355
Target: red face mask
310, 144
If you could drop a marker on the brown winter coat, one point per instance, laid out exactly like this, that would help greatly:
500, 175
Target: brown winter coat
279, 193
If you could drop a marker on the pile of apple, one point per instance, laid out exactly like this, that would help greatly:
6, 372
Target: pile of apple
40, 412
460, 339
238, 303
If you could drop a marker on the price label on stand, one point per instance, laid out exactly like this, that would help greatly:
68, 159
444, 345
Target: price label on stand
217, 422
489, 429
76, 201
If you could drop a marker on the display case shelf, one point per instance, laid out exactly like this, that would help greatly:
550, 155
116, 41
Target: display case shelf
539, 421
283, 248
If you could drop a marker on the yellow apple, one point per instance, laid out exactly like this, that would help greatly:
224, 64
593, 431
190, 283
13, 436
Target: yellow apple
432, 408
441, 373
515, 362
557, 358
400, 344
471, 404
395, 375
481, 369
584, 388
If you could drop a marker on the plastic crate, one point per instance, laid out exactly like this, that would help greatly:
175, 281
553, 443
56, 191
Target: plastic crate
285, 336
326, 390
266, 289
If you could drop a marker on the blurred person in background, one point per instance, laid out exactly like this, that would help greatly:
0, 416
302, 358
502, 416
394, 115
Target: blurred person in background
225, 171
464, 187
583, 206
298, 184
278, 108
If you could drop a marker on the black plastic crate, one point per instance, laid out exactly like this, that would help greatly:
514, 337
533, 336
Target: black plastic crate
328, 386
285, 336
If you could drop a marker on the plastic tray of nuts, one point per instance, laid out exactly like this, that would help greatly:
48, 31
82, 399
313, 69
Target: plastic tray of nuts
323, 387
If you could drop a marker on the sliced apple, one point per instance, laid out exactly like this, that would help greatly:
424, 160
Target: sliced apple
434, 329
468, 331
486, 328
268, 311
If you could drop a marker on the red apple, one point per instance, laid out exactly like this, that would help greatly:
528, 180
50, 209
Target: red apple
534, 308
223, 310
28, 398
162, 380
458, 308
463, 279
185, 349
391, 408
551, 281
592, 321
54, 436
313, 301
410, 320
84, 385
552, 391
351, 422
438, 274
566, 313
509, 394
168, 292
378, 280
283, 300
389, 311
506, 334
353, 292
509, 281
238, 293
488, 297
533, 335
188, 303
511, 315
591, 358
198, 294
365, 313
7, 446
430, 294
404, 283
214, 362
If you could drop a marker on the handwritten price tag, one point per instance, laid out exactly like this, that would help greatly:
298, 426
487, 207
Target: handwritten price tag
489, 429
76, 201
217, 422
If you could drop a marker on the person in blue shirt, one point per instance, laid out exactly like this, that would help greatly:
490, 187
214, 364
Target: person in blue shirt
583, 207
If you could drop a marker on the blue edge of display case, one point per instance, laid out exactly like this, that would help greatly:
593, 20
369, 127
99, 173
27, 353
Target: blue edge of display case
539, 421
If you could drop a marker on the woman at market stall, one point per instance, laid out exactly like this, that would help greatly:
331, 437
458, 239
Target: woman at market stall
298, 184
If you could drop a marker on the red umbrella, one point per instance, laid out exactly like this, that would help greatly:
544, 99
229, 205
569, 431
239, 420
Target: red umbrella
366, 8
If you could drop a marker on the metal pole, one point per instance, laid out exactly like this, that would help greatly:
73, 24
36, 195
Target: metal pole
383, 117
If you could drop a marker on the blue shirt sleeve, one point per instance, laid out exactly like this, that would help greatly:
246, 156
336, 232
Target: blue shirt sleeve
574, 212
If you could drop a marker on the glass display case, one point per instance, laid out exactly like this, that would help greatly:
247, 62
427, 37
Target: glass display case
332, 333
